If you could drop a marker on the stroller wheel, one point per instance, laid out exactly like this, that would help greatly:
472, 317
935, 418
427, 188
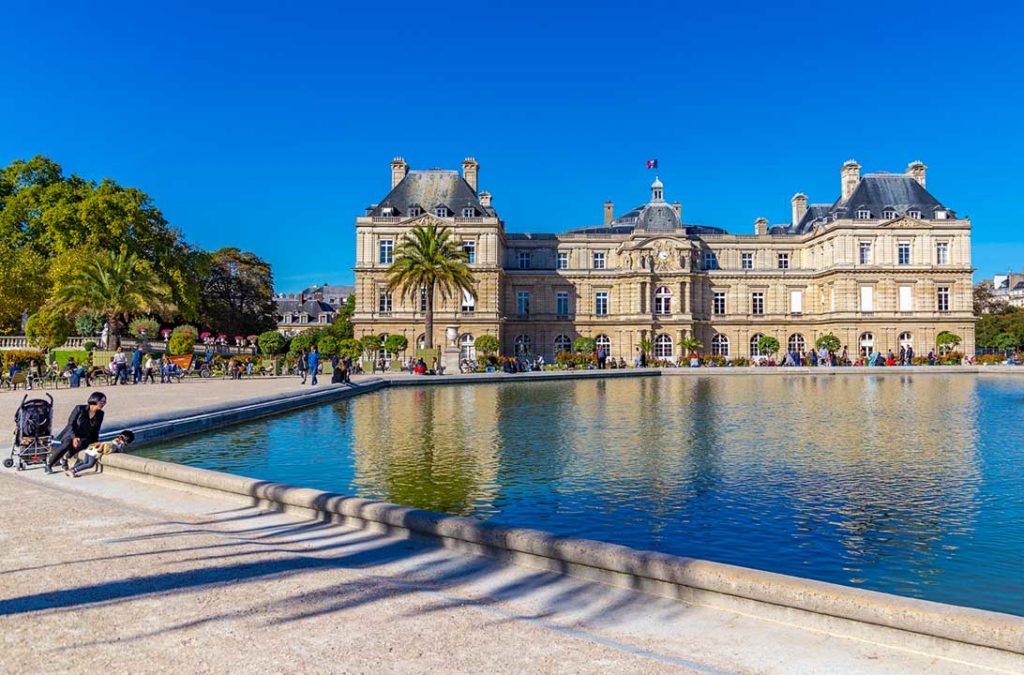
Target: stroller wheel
8, 463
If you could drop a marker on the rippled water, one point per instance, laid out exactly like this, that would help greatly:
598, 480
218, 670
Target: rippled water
910, 484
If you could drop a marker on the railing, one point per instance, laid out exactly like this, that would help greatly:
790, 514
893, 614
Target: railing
9, 342
387, 219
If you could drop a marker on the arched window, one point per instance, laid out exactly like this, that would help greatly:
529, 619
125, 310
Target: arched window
663, 300
421, 341
523, 345
603, 341
906, 340
796, 343
720, 345
754, 349
663, 347
467, 347
867, 344
563, 344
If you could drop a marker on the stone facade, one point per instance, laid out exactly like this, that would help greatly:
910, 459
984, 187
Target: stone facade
884, 264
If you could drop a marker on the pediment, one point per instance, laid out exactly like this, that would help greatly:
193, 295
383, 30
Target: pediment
655, 241
903, 222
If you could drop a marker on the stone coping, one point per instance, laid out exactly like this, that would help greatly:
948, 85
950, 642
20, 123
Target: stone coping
661, 573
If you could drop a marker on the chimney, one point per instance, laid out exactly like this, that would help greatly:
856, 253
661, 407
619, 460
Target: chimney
850, 177
678, 208
470, 169
761, 226
485, 199
399, 169
799, 203
609, 213
916, 171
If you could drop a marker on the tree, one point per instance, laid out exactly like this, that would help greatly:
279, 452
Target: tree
48, 329
394, 344
350, 348
88, 324
23, 285
766, 344
429, 258
302, 342
987, 302
370, 343
1005, 342
238, 295
828, 342
646, 346
583, 345
691, 345
946, 341
327, 345
271, 342
117, 285
487, 344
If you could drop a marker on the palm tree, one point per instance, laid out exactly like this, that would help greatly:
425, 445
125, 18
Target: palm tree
428, 258
116, 285
689, 345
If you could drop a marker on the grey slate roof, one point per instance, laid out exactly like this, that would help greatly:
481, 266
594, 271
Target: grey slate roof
429, 189
876, 192
314, 308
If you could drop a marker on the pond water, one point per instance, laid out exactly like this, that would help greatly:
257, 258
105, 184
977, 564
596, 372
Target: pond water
908, 484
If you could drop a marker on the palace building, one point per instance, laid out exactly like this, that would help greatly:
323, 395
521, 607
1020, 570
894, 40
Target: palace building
886, 264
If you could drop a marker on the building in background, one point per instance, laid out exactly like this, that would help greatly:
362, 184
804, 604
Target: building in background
316, 305
884, 265
1009, 287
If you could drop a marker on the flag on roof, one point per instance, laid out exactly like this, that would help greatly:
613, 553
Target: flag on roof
652, 164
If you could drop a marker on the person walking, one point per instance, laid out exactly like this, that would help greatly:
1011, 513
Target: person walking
302, 366
137, 365
313, 360
910, 356
82, 430
147, 371
121, 366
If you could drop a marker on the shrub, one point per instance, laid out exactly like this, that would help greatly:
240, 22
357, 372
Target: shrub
950, 359
271, 343
328, 345
487, 344
88, 324
350, 348
88, 345
20, 358
946, 341
766, 344
740, 361
715, 359
829, 342
181, 343
301, 343
395, 343
48, 329
144, 328
583, 345
186, 329
989, 359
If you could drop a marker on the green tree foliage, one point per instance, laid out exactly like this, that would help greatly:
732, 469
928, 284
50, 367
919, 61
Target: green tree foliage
302, 342
1005, 342
428, 257
827, 341
487, 344
186, 329
327, 345
46, 216
118, 285
271, 342
342, 326
181, 343
238, 294
583, 345
766, 344
370, 343
350, 348
393, 344
987, 302
48, 329
88, 324
946, 341
646, 346
990, 326
691, 345
24, 284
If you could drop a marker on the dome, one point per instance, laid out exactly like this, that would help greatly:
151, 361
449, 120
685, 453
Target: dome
657, 217
657, 183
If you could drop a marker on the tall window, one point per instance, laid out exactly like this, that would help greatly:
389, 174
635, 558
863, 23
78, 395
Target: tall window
602, 342
867, 299
710, 261
720, 345
524, 260
663, 300
755, 349
601, 303
423, 299
718, 303
441, 212
562, 303
384, 301
903, 253
414, 211
470, 248
563, 260
663, 347
865, 253
563, 344
468, 212
943, 298
523, 345
468, 302
889, 214
783, 261
747, 261
522, 303
942, 253
387, 251
914, 214
599, 260
796, 342
757, 302
863, 214
796, 302
467, 347
867, 344
906, 340
906, 298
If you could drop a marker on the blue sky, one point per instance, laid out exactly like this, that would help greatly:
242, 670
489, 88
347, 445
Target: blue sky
270, 125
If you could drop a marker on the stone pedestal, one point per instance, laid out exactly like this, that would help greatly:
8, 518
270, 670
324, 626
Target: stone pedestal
450, 359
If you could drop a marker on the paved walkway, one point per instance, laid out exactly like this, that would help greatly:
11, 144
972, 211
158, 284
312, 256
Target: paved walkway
109, 574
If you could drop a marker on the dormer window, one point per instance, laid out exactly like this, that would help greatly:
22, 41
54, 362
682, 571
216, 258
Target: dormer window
941, 214
863, 214
914, 214
468, 212
387, 211
441, 211
888, 215
414, 211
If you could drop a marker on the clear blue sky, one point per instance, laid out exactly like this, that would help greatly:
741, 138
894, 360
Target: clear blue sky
270, 125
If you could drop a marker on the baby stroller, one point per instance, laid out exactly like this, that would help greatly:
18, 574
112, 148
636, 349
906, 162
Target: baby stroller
33, 426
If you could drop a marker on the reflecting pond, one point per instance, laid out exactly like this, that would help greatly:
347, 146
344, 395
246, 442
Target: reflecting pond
909, 484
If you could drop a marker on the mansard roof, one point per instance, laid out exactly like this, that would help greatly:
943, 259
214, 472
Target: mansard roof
433, 187
313, 308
